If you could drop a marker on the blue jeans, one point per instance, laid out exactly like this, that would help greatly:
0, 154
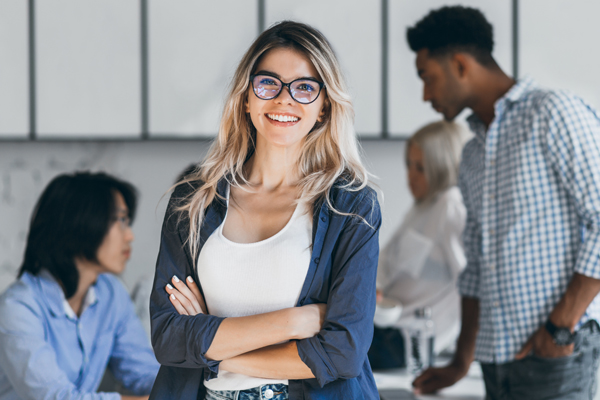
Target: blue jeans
535, 378
277, 391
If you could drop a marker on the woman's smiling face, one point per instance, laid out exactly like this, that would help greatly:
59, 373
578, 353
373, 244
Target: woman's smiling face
282, 121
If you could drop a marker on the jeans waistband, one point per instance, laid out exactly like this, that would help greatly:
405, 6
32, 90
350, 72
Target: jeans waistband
269, 391
590, 326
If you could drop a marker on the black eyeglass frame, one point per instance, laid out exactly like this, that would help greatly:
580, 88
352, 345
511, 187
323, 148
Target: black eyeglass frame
283, 84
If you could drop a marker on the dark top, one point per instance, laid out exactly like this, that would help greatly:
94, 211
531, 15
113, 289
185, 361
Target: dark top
342, 273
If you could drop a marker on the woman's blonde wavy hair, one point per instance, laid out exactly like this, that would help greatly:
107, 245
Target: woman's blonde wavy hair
329, 151
441, 143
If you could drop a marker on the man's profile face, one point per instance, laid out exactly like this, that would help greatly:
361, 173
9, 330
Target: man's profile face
440, 87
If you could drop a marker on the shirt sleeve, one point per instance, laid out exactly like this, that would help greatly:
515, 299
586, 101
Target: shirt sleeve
339, 350
132, 360
178, 340
28, 360
468, 281
387, 260
573, 145
451, 235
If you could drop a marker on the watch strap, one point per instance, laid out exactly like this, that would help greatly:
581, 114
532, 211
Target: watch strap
562, 336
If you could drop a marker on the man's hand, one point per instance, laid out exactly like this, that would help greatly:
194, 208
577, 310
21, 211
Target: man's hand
434, 379
542, 345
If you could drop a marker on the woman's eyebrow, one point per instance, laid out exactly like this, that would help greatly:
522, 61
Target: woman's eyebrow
264, 72
269, 73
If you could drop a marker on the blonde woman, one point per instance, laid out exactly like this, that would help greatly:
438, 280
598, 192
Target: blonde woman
420, 264
276, 239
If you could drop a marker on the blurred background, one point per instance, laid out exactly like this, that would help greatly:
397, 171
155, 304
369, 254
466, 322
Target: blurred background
135, 88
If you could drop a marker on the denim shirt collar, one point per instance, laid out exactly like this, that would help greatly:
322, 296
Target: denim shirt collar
54, 297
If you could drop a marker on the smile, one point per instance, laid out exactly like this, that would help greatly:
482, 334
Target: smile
282, 118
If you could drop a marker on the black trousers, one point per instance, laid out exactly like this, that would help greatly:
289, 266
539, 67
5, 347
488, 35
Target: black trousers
535, 378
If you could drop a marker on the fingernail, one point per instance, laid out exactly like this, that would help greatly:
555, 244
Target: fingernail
172, 296
190, 280
169, 286
175, 278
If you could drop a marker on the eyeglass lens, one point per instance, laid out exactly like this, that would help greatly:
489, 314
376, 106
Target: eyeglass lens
302, 90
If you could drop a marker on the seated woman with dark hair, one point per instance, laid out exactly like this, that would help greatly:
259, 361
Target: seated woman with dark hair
67, 318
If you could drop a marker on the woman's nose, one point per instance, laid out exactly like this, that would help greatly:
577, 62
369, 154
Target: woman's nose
129, 236
285, 96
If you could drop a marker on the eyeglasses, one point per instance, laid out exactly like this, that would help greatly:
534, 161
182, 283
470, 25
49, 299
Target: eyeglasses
304, 90
124, 222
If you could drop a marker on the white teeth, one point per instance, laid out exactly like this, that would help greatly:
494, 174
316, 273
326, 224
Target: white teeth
282, 118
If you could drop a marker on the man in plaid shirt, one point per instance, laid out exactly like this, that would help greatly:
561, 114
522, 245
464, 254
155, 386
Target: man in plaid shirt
530, 179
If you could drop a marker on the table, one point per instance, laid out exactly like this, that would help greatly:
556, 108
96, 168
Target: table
471, 387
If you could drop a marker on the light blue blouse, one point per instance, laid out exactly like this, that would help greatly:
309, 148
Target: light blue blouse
47, 352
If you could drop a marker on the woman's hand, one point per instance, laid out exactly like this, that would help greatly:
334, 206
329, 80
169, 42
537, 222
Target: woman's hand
186, 298
309, 320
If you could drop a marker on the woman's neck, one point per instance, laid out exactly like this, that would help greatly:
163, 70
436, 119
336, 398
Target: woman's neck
273, 167
87, 277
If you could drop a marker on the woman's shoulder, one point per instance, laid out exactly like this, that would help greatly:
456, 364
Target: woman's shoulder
19, 289
451, 208
451, 197
109, 286
18, 304
183, 190
355, 201
347, 196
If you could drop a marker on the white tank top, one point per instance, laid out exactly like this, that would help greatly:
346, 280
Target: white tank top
240, 279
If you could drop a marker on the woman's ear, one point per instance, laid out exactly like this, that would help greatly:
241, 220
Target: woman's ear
324, 110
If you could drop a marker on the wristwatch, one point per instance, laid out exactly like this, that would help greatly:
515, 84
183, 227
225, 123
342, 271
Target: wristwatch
560, 335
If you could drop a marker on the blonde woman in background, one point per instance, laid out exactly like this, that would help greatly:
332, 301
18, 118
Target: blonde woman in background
420, 264
276, 238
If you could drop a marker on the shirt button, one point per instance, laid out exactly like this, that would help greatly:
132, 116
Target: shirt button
492, 231
268, 394
492, 267
496, 304
323, 218
316, 260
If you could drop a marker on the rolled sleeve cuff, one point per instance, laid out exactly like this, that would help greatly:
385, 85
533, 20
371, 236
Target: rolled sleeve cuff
314, 356
468, 283
212, 369
204, 340
588, 260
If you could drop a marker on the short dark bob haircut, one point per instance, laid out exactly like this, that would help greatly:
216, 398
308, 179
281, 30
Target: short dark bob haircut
70, 220
454, 28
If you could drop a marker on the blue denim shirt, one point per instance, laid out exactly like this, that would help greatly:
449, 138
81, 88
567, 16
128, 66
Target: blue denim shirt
341, 273
46, 352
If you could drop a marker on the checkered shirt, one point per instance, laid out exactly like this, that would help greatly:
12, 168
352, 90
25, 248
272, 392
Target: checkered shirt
531, 186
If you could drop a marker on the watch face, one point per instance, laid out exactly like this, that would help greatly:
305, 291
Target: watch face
563, 337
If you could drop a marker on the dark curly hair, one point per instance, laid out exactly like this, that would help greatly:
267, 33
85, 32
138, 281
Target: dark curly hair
451, 29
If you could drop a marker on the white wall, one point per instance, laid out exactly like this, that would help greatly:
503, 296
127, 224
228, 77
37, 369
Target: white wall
26, 168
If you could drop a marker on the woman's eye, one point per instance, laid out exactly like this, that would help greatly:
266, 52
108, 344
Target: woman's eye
266, 81
305, 87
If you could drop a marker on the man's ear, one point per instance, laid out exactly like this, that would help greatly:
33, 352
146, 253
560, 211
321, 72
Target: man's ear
461, 64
